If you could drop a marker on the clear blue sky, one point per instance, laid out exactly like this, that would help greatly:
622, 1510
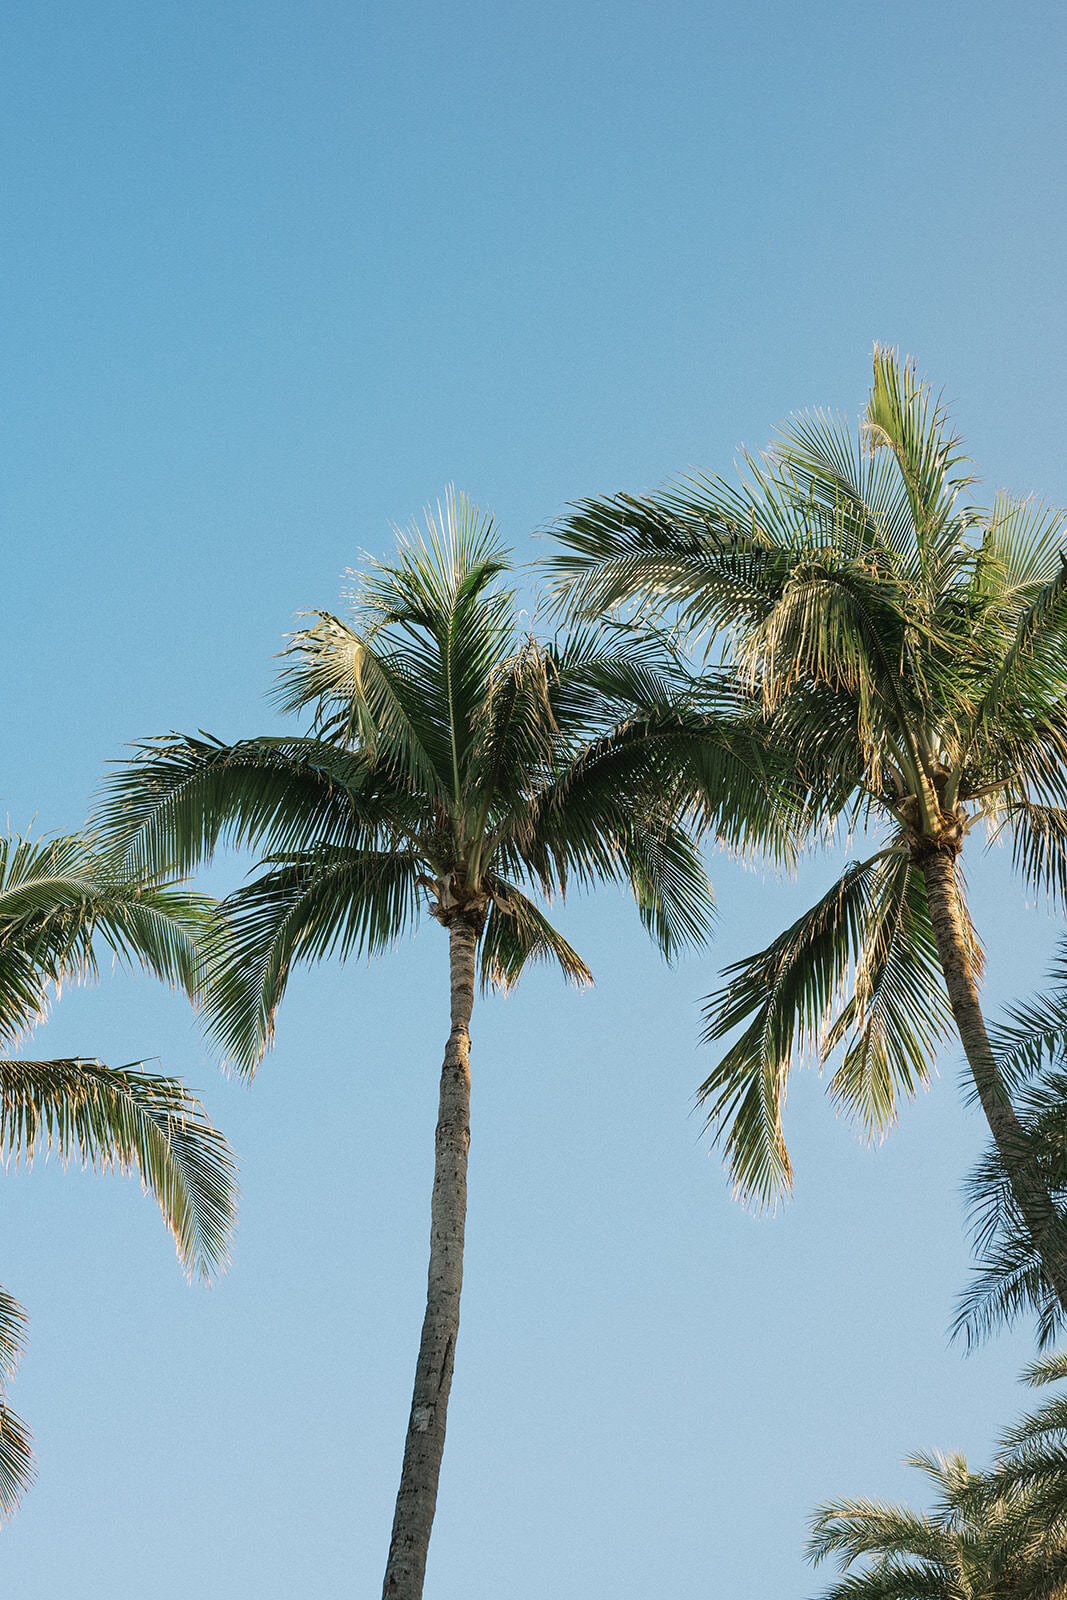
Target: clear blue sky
272, 275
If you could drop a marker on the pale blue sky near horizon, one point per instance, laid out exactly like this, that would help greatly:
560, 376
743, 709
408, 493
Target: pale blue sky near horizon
273, 275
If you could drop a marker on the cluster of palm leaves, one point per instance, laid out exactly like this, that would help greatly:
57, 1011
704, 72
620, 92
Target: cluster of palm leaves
841, 645
994, 1535
59, 902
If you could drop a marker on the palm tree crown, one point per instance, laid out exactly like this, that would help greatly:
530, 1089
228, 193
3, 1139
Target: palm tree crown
983, 1540
450, 762
908, 649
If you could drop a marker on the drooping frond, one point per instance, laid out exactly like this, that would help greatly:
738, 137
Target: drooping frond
59, 898
123, 1119
872, 929
1039, 847
302, 908
1033, 1035
898, 1014
517, 933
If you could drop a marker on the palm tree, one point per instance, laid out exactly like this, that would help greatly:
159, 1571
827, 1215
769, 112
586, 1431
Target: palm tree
909, 649
985, 1539
454, 763
58, 900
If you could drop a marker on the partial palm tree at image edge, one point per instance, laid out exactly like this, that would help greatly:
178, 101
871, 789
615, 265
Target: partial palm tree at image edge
58, 899
910, 650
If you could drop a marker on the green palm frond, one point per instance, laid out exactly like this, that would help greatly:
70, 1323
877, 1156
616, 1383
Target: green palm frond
365, 695
898, 1014
16, 1461
849, 1529
989, 1536
1039, 847
302, 908
787, 995
181, 796
903, 417
59, 897
122, 1119
16, 1448
517, 933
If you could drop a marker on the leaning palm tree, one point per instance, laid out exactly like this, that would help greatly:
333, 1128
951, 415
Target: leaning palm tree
985, 1539
909, 650
456, 765
59, 902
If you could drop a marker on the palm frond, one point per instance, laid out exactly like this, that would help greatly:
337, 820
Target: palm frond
302, 908
120, 1118
898, 1014
785, 994
59, 896
517, 933
181, 796
16, 1448
1039, 847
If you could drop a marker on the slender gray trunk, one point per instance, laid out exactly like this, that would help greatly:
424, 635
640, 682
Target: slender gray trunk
417, 1496
1028, 1185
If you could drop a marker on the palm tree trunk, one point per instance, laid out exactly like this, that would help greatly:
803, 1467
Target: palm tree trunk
1028, 1185
417, 1496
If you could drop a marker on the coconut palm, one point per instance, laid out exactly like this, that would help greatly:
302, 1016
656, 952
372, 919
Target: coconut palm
909, 649
455, 765
59, 901
983, 1540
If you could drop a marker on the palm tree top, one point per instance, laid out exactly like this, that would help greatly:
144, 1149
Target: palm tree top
907, 648
450, 759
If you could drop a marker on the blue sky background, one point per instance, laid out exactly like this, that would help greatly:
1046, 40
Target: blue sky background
273, 274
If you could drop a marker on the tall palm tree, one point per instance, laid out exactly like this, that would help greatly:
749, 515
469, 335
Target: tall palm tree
59, 899
456, 764
909, 649
985, 1539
